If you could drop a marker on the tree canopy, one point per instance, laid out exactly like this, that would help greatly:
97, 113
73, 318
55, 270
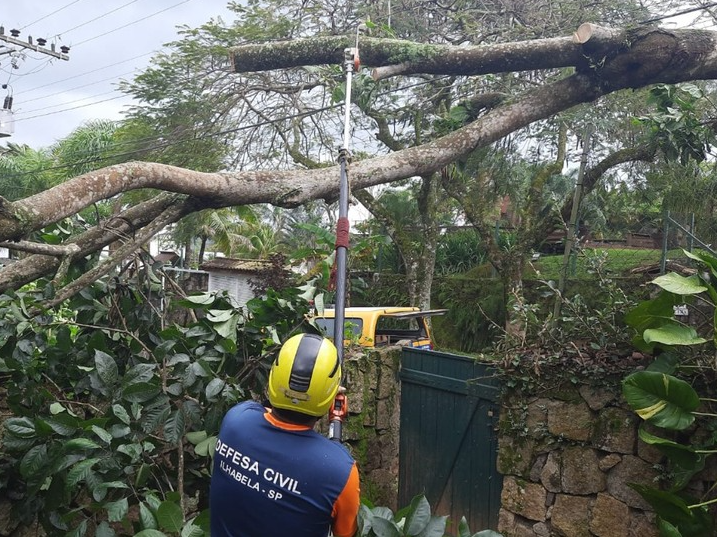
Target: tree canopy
595, 61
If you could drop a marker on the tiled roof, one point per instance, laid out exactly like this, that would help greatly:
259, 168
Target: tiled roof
237, 265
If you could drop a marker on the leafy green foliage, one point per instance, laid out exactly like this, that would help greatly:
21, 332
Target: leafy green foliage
113, 408
677, 124
415, 519
660, 397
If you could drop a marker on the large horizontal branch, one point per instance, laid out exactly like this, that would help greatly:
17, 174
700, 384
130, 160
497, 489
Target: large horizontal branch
30, 268
412, 57
638, 53
288, 188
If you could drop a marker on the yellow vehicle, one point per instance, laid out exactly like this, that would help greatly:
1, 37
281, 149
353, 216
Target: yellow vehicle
379, 327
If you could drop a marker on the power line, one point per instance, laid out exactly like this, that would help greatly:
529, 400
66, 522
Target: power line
131, 23
91, 71
685, 12
49, 14
73, 107
23, 112
96, 18
113, 77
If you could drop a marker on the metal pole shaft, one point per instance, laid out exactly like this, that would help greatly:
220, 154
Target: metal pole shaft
341, 251
342, 238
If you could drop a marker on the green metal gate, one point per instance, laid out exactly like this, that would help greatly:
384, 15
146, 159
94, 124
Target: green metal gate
448, 440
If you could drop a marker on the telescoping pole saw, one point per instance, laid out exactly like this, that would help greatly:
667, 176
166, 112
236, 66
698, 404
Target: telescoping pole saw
339, 410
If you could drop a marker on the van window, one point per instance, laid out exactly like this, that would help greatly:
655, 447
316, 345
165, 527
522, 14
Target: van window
327, 326
391, 330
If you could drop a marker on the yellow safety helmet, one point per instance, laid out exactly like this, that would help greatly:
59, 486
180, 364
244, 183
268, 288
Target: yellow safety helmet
305, 376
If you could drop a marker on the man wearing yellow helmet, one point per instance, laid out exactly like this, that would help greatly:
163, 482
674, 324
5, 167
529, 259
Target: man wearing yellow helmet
273, 474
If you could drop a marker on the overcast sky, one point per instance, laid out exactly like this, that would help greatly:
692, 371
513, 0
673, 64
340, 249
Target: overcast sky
109, 40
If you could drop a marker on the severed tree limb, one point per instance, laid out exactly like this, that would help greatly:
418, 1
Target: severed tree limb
170, 215
59, 250
35, 266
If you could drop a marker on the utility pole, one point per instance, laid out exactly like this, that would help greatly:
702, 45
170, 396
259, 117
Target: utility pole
37, 46
11, 45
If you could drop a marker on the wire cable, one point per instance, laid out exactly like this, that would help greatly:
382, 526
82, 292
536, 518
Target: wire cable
131, 23
66, 90
685, 12
92, 71
49, 14
95, 19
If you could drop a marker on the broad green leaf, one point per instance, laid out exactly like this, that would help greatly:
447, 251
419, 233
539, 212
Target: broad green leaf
383, 527
195, 437
178, 358
463, 529
673, 334
418, 516
214, 388
80, 444
680, 285
704, 257
117, 510
661, 399
199, 332
133, 451
120, 430
63, 424
174, 427
143, 475
436, 527
139, 373
228, 329
56, 408
667, 505
666, 362
121, 413
202, 299
679, 454
219, 316
206, 447
33, 461
105, 436
21, 427
170, 517
192, 530
80, 471
653, 313
104, 530
146, 517
150, 533
667, 529
140, 392
106, 368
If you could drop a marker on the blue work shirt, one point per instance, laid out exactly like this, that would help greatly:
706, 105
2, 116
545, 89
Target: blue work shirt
274, 479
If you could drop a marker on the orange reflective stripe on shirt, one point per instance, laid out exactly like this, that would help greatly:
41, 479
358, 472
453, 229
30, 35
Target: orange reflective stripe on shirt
346, 507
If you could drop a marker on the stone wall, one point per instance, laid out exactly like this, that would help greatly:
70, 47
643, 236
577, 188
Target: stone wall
372, 429
567, 457
567, 460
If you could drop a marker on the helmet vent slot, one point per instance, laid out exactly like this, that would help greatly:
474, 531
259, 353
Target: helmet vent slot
304, 362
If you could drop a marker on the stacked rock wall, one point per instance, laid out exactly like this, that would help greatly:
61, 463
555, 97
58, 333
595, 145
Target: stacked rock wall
372, 429
567, 462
